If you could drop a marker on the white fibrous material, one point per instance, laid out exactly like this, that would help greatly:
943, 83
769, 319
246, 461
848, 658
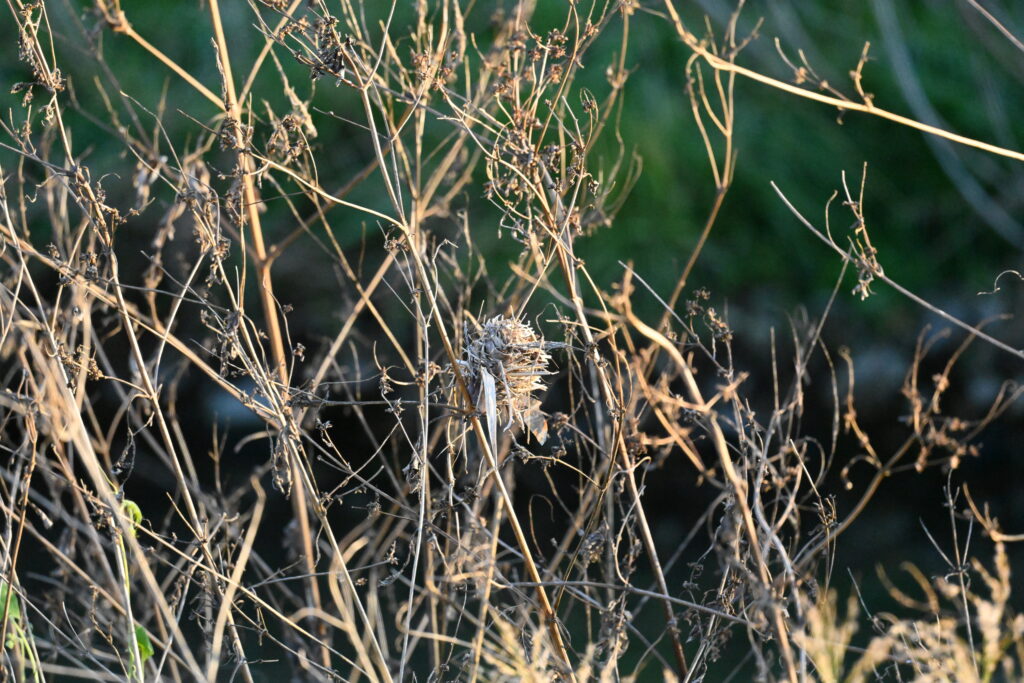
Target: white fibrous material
506, 359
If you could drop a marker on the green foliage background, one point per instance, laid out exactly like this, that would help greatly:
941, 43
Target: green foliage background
929, 238
759, 264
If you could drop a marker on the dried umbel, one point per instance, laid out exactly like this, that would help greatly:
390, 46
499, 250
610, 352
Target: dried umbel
504, 364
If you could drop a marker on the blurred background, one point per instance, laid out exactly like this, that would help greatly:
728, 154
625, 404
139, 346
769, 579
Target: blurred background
947, 220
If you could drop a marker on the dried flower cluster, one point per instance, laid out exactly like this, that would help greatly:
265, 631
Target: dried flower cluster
509, 356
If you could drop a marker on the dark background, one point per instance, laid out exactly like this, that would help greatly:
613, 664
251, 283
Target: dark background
946, 219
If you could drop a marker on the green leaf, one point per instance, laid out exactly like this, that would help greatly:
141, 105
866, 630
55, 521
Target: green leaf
145, 644
14, 611
134, 512
13, 615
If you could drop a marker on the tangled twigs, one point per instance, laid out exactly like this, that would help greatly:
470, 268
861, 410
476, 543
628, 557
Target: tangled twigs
335, 379
719, 64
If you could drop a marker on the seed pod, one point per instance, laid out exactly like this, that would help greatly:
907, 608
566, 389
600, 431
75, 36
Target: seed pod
511, 354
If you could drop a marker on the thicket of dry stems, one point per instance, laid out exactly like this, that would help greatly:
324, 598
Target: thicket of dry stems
416, 560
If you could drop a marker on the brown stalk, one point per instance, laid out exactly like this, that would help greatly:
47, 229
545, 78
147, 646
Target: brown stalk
549, 617
269, 301
719, 64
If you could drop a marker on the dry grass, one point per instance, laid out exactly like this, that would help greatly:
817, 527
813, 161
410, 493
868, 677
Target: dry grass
403, 551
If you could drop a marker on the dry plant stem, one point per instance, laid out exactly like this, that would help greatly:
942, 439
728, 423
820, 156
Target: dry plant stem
268, 43
125, 28
153, 396
567, 261
154, 327
234, 113
427, 442
692, 260
59, 670
423, 344
723, 178
322, 193
228, 600
425, 285
547, 613
478, 638
15, 552
92, 463
376, 655
265, 286
988, 522
346, 328
430, 586
566, 258
975, 331
739, 485
88, 458
688, 604
720, 64
99, 479
997, 24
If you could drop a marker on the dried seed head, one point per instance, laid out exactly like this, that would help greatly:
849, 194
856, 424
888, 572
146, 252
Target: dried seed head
515, 357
